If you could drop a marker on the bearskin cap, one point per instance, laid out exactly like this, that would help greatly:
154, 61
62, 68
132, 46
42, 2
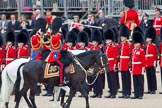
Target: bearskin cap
150, 33
56, 25
137, 37
41, 24
88, 30
124, 31
96, 36
71, 37
116, 34
109, 34
138, 29
129, 3
22, 37
83, 37
10, 36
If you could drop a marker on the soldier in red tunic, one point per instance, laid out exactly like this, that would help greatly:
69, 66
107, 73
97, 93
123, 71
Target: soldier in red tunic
130, 17
111, 55
96, 39
10, 48
82, 41
125, 52
23, 48
138, 65
1, 53
70, 41
151, 59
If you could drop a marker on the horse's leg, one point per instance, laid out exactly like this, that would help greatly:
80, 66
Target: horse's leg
84, 93
6, 104
56, 96
27, 100
68, 102
63, 92
32, 94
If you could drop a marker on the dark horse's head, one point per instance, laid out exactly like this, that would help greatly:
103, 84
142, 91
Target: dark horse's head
89, 58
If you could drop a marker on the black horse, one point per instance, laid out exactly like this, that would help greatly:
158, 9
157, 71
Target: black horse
33, 72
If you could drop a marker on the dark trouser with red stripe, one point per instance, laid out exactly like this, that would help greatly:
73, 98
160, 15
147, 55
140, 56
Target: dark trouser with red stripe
111, 78
151, 78
126, 83
97, 86
138, 84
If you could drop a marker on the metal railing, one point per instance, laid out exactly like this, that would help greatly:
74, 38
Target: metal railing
111, 7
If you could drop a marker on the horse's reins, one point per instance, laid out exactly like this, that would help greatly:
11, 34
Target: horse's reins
80, 65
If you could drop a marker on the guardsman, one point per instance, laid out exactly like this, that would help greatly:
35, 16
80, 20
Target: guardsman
23, 48
151, 59
116, 48
82, 41
130, 17
96, 41
161, 55
111, 55
138, 65
125, 52
70, 41
10, 48
1, 52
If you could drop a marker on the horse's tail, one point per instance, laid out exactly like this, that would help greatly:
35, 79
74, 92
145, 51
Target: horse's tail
17, 82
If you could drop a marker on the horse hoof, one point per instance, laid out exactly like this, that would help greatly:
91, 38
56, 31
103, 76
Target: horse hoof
65, 105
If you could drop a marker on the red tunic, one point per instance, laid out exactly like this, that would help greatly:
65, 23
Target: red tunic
130, 19
66, 47
10, 54
151, 54
157, 23
1, 55
77, 46
110, 53
125, 49
138, 61
49, 19
23, 52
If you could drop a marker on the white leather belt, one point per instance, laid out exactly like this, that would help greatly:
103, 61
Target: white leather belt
9, 58
125, 57
136, 62
149, 55
110, 59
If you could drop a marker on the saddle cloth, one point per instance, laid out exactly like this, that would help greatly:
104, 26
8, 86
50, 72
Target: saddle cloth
51, 70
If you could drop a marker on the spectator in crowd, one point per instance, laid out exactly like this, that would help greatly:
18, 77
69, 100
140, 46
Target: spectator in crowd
34, 14
89, 20
140, 15
121, 13
145, 23
37, 15
24, 24
13, 24
3, 27
100, 17
76, 23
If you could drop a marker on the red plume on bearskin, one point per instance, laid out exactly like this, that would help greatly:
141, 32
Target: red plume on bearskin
109, 35
137, 37
150, 33
10, 36
96, 36
83, 37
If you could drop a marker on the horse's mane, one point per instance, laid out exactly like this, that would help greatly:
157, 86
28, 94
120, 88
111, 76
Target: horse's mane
88, 52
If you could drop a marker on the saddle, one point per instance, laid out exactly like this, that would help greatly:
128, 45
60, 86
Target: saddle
51, 70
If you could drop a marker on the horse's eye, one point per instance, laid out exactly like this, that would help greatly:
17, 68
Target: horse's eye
103, 24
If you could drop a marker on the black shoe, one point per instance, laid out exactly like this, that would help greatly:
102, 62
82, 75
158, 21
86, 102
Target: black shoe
51, 100
113, 96
153, 92
121, 97
99, 96
135, 97
127, 96
47, 94
149, 92
93, 96
140, 97
80, 96
109, 96
37, 94
160, 92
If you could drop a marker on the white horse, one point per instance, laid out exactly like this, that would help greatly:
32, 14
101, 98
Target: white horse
8, 76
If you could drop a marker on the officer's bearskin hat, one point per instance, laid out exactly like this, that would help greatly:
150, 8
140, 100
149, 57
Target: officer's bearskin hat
116, 33
75, 30
56, 25
88, 30
137, 37
129, 3
96, 36
161, 33
138, 29
41, 24
109, 34
10, 36
124, 31
150, 33
83, 37
71, 37
1, 40
22, 37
